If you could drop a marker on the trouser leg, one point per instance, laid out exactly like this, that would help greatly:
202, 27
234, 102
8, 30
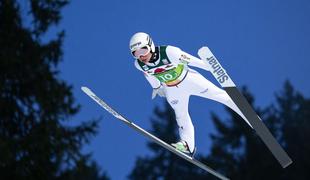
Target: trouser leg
178, 100
208, 90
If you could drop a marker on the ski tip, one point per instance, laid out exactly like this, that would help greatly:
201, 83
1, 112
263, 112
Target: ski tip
85, 89
204, 48
204, 52
289, 162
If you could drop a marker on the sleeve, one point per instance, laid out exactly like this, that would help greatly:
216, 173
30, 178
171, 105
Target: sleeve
176, 55
154, 82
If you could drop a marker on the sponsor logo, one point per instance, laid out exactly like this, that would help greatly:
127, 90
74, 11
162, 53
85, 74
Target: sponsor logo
135, 45
145, 67
169, 65
108, 108
174, 102
165, 61
184, 57
159, 70
218, 70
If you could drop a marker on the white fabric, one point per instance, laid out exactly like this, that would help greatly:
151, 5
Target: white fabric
154, 82
178, 98
160, 91
176, 55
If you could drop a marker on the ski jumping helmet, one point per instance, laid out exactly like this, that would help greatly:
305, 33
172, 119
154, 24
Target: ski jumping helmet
139, 41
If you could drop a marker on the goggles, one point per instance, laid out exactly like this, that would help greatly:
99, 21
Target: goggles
141, 52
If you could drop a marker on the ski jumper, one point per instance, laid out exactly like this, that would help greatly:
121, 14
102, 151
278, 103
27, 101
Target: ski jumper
169, 70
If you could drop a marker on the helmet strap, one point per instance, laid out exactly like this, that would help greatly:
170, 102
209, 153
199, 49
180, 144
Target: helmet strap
153, 57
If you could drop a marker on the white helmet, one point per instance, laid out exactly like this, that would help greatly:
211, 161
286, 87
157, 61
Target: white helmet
140, 40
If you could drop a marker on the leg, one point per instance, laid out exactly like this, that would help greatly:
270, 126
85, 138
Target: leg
178, 100
208, 90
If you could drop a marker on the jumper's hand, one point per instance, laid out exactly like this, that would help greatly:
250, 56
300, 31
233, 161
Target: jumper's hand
160, 91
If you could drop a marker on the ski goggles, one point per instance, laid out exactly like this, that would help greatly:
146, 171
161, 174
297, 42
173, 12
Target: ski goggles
141, 52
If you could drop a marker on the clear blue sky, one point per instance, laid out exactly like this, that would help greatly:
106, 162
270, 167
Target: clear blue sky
260, 43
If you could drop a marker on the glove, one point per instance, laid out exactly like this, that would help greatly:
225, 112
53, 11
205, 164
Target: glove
160, 91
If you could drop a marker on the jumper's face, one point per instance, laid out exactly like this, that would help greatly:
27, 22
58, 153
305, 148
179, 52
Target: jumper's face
143, 54
146, 58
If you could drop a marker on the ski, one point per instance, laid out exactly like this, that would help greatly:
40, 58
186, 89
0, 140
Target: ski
228, 85
151, 136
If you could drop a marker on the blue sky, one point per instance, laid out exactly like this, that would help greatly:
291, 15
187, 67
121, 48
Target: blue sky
260, 43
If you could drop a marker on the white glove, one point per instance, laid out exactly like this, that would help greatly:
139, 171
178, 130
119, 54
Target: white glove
160, 91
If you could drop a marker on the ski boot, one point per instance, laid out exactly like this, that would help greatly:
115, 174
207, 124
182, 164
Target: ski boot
183, 147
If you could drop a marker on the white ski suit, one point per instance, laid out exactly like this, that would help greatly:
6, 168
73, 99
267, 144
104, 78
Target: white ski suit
169, 70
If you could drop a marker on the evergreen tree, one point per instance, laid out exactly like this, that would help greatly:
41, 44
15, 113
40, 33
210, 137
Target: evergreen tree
292, 113
35, 104
238, 151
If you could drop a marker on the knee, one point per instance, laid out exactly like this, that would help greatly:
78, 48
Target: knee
181, 113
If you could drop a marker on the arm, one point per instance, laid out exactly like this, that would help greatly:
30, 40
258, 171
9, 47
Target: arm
154, 82
178, 54
157, 87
